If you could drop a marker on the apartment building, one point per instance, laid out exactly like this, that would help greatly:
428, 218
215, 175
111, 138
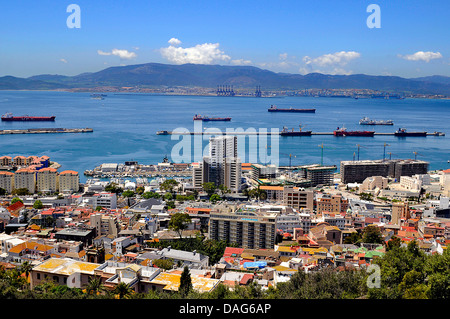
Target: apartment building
248, 228
222, 166
298, 198
25, 178
6, 161
7, 181
104, 224
332, 204
47, 180
69, 182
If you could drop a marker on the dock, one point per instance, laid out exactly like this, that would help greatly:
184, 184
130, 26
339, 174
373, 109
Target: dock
46, 131
269, 133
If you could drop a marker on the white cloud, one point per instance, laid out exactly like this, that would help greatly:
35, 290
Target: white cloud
331, 63
206, 53
337, 58
174, 41
283, 56
241, 62
123, 54
63, 60
422, 56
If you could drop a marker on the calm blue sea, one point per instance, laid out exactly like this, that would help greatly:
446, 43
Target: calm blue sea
125, 127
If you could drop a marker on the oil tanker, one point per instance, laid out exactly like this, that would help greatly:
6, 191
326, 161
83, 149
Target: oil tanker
274, 108
402, 132
207, 119
343, 132
10, 117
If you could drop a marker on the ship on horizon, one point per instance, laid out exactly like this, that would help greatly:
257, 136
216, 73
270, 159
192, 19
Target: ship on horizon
274, 108
291, 132
367, 121
207, 119
343, 132
402, 132
9, 117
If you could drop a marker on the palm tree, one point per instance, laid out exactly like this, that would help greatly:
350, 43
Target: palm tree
123, 290
94, 286
26, 268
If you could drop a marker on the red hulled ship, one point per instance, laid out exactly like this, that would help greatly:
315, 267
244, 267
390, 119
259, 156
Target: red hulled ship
343, 132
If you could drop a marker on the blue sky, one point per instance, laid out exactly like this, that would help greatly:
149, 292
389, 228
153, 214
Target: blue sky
292, 36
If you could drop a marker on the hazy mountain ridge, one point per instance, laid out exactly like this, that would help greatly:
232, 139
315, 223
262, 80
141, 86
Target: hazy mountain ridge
157, 75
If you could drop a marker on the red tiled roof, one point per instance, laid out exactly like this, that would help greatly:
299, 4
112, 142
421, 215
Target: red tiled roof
230, 251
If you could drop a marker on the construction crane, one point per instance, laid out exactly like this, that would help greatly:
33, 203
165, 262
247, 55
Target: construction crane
390, 155
384, 150
359, 146
415, 155
290, 157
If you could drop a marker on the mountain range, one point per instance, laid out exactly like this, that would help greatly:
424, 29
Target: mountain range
210, 76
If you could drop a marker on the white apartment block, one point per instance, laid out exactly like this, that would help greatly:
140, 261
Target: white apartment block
105, 200
415, 182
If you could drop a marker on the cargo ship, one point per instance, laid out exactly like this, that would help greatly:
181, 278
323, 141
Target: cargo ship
162, 133
402, 132
274, 108
207, 119
343, 132
367, 121
300, 132
10, 117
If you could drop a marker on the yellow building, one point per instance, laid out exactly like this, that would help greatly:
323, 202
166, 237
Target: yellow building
25, 178
170, 281
63, 271
47, 180
69, 181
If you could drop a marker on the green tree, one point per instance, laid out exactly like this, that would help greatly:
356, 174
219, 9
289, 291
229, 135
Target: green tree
94, 286
353, 238
148, 195
168, 185
15, 200
185, 282
21, 191
214, 198
372, 234
123, 290
38, 204
128, 193
210, 188
179, 222
140, 190
165, 264
113, 188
